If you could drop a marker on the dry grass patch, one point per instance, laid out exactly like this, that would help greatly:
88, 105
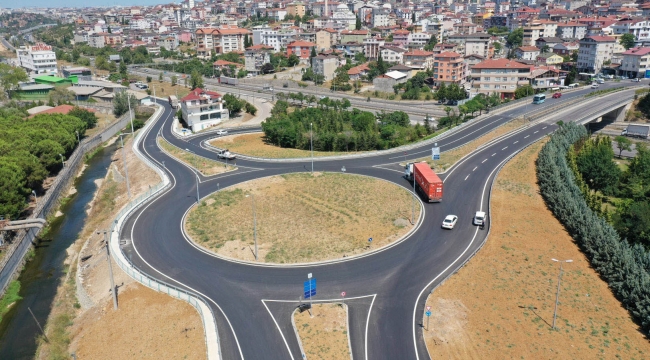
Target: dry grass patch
302, 218
254, 145
324, 336
206, 166
164, 89
449, 158
500, 305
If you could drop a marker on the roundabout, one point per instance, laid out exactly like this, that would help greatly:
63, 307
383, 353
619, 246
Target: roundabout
385, 290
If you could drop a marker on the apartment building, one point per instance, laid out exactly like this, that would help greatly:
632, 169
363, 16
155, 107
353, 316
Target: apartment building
302, 49
527, 52
372, 46
571, 30
255, 57
640, 29
296, 9
202, 109
636, 62
37, 59
478, 44
448, 68
500, 76
533, 32
325, 65
325, 38
594, 51
222, 40
277, 39
392, 54
418, 59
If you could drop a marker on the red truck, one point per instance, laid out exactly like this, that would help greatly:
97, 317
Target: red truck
428, 182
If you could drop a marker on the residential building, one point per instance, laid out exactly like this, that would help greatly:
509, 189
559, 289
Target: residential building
357, 72
325, 65
356, 36
478, 43
532, 32
325, 38
500, 76
296, 9
371, 47
594, 51
392, 54
549, 58
448, 68
636, 62
548, 41
202, 109
464, 28
417, 40
527, 52
222, 40
571, 30
302, 49
401, 37
96, 41
640, 29
37, 59
278, 39
255, 57
546, 77
566, 48
419, 59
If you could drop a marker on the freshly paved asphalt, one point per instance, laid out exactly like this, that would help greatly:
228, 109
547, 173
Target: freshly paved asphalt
385, 291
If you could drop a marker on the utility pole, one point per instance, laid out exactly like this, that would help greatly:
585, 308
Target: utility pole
557, 294
413, 198
197, 175
254, 224
311, 145
128, 100
110, 268
38, 323
126, 171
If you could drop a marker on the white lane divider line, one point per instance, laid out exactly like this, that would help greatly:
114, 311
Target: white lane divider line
515, 142
466, 177
504, 148
544, 127
494, 154
483, 161
536, 132
475, 167
526, 136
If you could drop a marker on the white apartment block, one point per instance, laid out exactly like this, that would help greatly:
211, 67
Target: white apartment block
37, 59
640, 29
594, 51
202, 109
277, 39
222, 40
636, 62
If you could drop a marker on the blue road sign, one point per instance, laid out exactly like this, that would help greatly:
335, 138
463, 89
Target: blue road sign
369, 239
428, 313
310, 288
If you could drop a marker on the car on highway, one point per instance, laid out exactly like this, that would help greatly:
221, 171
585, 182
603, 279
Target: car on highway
222, 132
594, 86
557, 95
479, 218
636, 80
225, 154
449, 222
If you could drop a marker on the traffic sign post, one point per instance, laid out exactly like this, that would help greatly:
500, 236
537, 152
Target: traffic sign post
428, 314
309, 290
435, 152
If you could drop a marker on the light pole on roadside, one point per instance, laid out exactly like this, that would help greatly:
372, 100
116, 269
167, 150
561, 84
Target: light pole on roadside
311, 146
35, 198
413, 198
254, 224
62, 160
77, 132
557, 295
197, 175
126, 170
110, 267
128, 100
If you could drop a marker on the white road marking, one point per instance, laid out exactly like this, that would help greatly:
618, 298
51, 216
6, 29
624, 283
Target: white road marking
536, 132
544, 127
475, 167
483, 161
494, 154
466, 177
515, 142
504, 148
526, 136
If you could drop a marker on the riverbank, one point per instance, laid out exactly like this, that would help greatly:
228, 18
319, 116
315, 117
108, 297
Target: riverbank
147, 324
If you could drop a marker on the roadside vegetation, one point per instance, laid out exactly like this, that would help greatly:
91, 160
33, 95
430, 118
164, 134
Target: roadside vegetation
325, 335
206, 166
9, 298
302, 217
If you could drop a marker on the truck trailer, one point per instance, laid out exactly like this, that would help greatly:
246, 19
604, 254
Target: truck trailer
428, 183
640, 131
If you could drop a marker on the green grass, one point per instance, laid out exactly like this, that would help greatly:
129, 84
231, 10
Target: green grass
10, 297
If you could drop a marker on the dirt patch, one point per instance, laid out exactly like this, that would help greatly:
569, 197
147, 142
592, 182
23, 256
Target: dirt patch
254, 145
103, 121
148, 325
325, 335
449, 158
206, 166
302, 218
500, 305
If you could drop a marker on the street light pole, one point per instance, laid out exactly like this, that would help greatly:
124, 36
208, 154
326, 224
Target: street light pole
78, 141
557, 295
254, 224
311, 145
35, 198
197, 175
62, 160
128, 100
413, 198
110, 268
126, 171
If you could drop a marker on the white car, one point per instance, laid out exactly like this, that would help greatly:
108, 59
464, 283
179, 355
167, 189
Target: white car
222, 132
449, 222
479, 218
594, 86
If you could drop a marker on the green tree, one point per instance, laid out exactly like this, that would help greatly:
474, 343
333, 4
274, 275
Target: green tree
160, 76
312, 54
431, 43
88, 117
293, 60
196, 80
524, 91
123, 70
622, 143
515, 38
627, 40
644, 105
595, 162
121, 103
10, 77
233, 104
60, 96
174, 80
357, 24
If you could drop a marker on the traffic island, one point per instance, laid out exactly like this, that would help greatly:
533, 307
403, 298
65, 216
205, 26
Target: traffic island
300, 218
255, 146
205, 166
322, 331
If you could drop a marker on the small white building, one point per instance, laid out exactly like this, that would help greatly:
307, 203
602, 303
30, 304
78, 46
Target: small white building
202, 109
37, 59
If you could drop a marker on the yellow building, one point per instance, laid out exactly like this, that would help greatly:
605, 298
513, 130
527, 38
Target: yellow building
550, 58
296, 9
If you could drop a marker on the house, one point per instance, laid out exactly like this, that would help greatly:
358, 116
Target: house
548, 41
419, 59
566, 48
449, 68
302, 49
392, 54
357, 72
202, 109
255, 57
325, 38
636, 62
500, 76
549, 58
220, 40
594, 51
385, 83
223, 64
545, 77
325, 65
527, 52
356, 36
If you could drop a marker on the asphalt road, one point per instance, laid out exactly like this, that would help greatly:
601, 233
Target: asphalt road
385, 291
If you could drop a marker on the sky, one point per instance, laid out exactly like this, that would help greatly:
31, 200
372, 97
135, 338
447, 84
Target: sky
79, 3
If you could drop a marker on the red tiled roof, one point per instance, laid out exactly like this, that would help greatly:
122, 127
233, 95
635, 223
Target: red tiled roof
358, 69
198, 92
418, 53
640, 51
225, 63
301, 44
528, 48
500, 64
448, 54
601, 38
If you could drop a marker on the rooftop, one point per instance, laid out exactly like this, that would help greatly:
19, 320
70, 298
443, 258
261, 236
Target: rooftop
500, 64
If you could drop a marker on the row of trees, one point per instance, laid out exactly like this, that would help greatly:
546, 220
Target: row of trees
624, 266
29, 152
336, 128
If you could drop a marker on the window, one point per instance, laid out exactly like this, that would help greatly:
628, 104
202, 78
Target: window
486, 78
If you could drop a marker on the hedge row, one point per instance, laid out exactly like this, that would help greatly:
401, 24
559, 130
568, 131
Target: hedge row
623, 266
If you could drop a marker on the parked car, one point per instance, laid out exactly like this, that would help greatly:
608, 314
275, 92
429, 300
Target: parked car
449, 222
594, 86
222, 132
557, 95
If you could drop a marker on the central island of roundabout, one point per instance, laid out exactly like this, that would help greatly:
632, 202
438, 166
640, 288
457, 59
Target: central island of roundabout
302, 218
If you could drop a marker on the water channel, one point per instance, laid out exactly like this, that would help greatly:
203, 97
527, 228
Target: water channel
41, 276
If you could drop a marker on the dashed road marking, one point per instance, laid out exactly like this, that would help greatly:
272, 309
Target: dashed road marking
504, 148
483, 161
526, 136
475, 167
544, 127
466, 177
516, 142
494, 154
536, 132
